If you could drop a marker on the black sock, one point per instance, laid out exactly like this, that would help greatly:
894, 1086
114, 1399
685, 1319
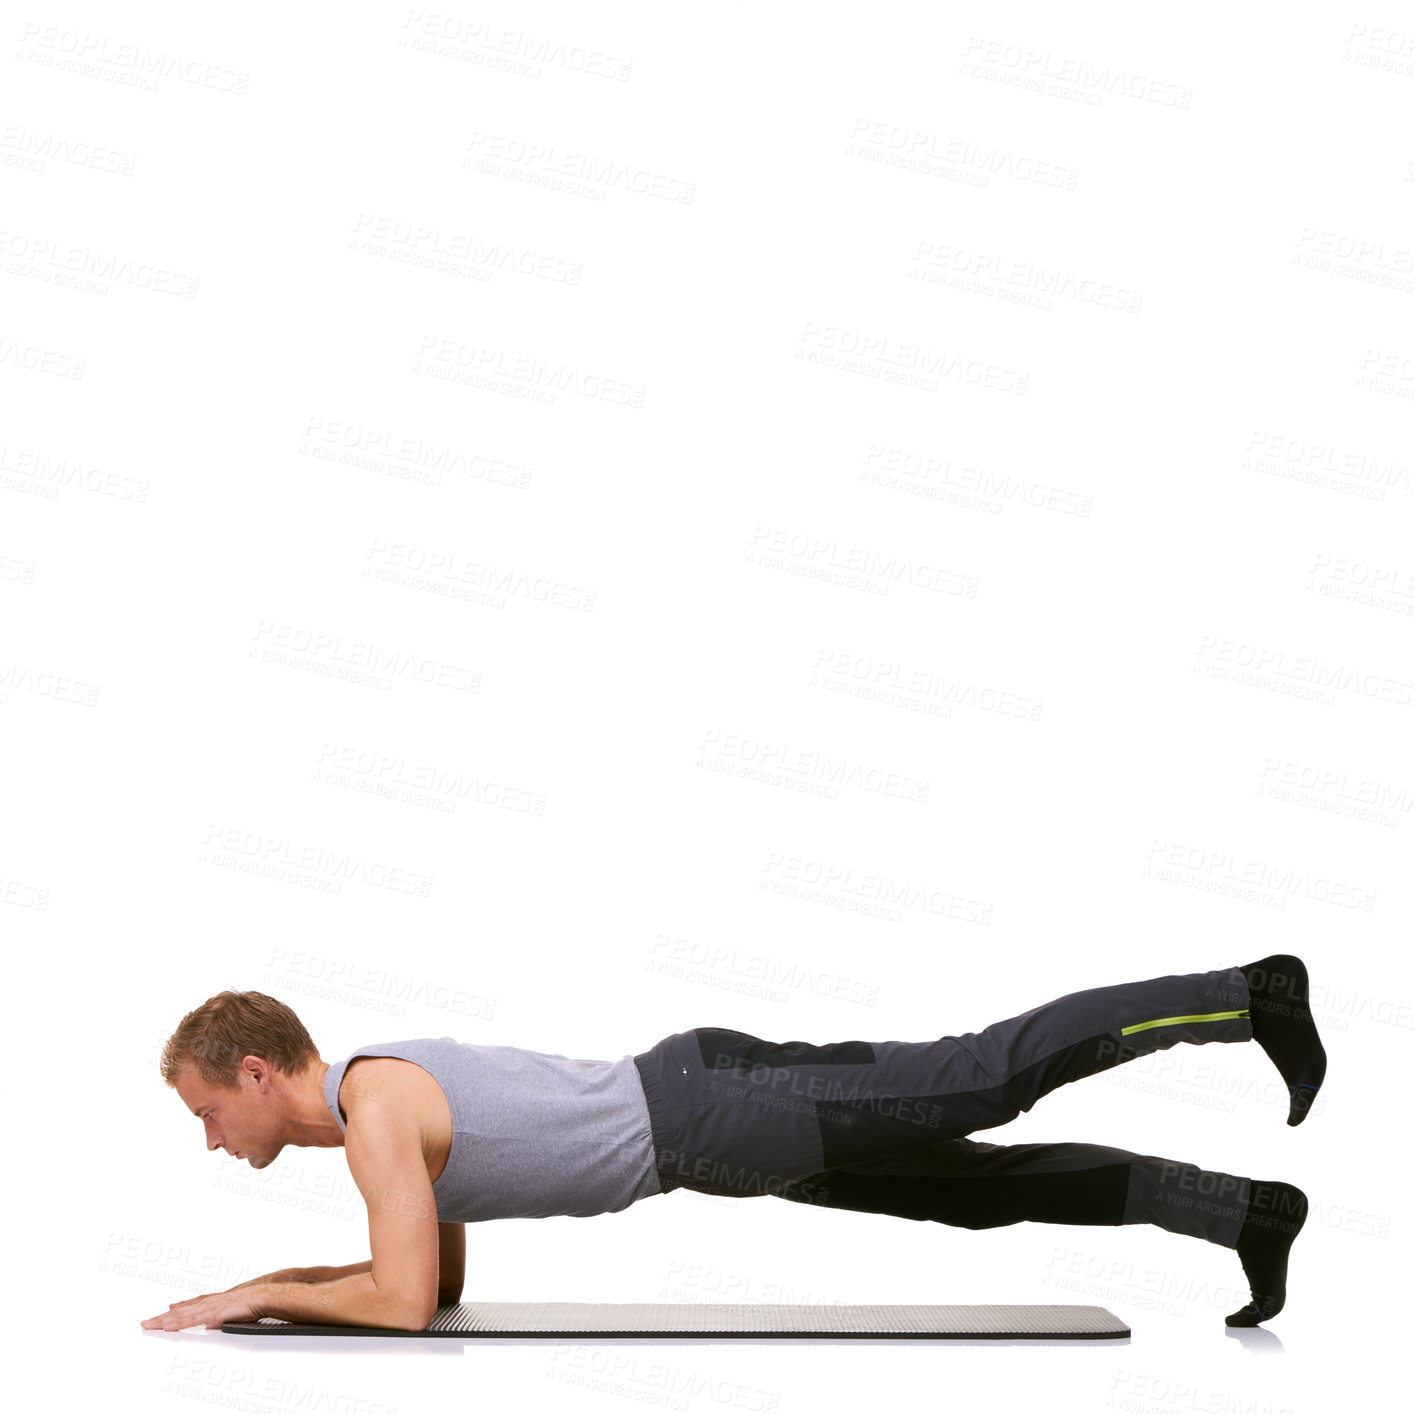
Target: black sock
1275, 1213
1280, 1008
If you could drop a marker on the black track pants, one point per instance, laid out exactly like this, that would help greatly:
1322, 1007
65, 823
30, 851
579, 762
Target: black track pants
880, 1126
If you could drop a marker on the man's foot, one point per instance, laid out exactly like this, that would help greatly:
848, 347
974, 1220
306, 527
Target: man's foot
1282, 1025
1275, 1214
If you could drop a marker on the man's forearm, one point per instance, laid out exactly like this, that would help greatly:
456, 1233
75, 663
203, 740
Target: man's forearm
353, 1300
445, 1293
336, 1273
305, 1274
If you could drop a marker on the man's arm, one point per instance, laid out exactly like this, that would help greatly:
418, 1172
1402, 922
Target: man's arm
304, 1274
403, 1283
400, 1287
451, 1262
451, 1268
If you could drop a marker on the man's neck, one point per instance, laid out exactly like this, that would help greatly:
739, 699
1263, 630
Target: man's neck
310, 1122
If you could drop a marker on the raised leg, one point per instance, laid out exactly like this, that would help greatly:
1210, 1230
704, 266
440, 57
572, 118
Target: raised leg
735, 1114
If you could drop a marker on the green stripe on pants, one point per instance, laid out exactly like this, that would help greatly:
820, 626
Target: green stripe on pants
1175, 1020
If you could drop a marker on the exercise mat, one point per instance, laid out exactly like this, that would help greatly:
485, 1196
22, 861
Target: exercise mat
564, 1320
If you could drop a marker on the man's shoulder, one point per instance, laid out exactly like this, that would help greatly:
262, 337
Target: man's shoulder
369, 1080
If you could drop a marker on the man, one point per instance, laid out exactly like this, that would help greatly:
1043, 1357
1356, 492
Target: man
438, 1133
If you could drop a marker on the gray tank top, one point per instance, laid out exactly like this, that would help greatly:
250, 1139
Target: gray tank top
533, 1135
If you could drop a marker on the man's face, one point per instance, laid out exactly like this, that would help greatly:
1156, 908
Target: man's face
244, 1120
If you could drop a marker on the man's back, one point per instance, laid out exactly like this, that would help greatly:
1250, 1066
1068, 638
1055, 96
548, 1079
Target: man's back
533, 1135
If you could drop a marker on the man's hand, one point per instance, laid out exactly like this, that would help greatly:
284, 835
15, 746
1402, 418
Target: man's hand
238, 1304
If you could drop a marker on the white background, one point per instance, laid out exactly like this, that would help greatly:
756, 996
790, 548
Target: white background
558, 526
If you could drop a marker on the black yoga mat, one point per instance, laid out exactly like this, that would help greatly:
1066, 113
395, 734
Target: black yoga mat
562, 1320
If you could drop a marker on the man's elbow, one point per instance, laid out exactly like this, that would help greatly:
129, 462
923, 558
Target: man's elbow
404, 1311
412, 1316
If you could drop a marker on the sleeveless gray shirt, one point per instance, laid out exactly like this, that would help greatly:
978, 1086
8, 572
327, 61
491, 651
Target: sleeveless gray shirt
533, 1135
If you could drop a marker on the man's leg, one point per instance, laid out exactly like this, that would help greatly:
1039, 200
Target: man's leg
966, 1183
774, 1106
969, 1183
736, 1114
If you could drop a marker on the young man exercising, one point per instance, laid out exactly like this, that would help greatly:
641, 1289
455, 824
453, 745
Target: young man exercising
438, 1133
